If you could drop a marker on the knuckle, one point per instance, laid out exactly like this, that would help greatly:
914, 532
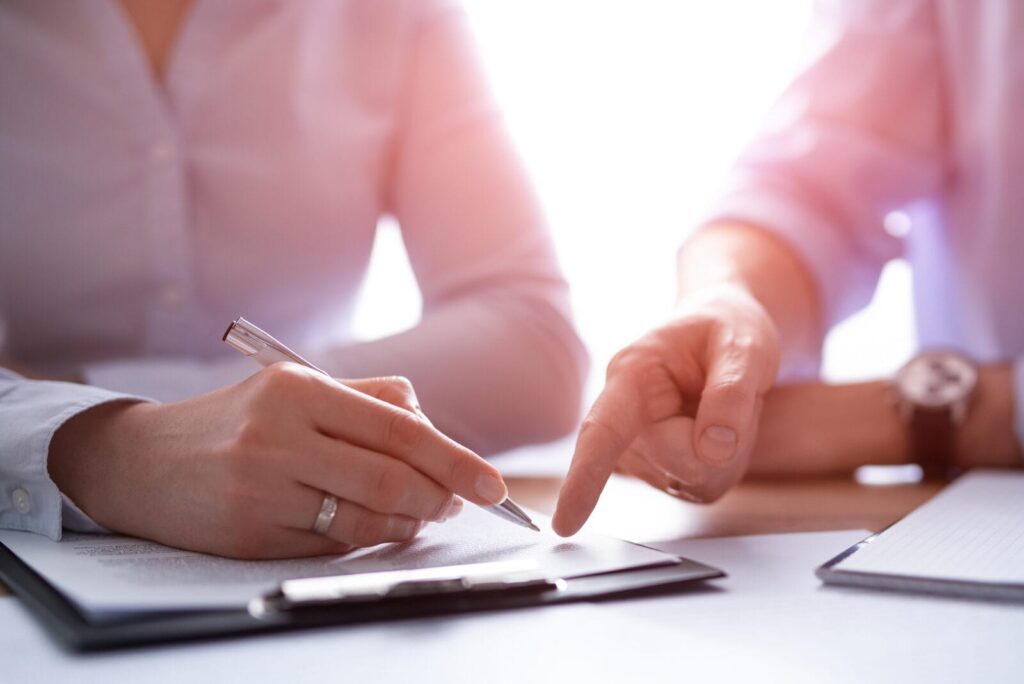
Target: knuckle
401, 383
743, 344
403, 431
455, 471
731, 391
397, 390
250, 433
391, 488
607, 433
441, 507
631, 359
368, 530
281, 379
408, 530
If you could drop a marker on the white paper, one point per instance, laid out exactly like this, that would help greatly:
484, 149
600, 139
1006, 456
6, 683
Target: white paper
973, 530
110, 573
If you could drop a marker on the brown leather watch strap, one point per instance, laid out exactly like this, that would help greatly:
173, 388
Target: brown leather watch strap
933, 442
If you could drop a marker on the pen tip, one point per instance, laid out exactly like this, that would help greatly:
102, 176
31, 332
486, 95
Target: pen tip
534, 527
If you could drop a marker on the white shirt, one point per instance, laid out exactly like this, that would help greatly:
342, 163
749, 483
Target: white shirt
139, 218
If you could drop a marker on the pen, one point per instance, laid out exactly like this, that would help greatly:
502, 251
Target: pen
261, 347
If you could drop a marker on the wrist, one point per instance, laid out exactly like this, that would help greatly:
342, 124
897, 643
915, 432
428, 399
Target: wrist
85, 456
987, 436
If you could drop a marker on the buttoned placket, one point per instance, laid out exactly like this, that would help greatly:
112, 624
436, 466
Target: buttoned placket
163, 160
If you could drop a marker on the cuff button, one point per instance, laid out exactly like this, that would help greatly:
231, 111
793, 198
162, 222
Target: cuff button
22, 501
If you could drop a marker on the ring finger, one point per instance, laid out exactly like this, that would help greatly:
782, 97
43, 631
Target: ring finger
355, 525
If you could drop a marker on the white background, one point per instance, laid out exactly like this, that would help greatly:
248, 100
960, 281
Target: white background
628, 115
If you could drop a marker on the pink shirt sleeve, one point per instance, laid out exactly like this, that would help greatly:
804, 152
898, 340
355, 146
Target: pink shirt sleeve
495, 359
858, 134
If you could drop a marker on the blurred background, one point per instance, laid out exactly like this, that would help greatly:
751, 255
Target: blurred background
628, 115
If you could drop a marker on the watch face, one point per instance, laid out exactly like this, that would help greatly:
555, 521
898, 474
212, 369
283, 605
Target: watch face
937, 378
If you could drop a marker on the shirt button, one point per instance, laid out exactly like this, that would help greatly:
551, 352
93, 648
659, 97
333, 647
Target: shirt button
22, 501
162, 152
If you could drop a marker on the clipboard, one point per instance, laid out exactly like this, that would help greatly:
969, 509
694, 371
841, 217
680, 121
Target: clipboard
77, 631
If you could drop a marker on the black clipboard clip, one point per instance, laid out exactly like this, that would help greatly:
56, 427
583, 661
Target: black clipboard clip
507, 578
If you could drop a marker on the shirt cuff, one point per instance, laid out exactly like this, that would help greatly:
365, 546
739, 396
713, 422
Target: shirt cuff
31, 412
844, 279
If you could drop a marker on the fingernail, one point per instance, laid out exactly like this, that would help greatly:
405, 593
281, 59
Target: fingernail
718, 444
454, 508
491, 489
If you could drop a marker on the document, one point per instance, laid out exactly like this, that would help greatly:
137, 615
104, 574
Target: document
114, 573
972, 531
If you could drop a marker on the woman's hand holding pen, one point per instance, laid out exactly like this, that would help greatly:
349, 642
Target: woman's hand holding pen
243, 471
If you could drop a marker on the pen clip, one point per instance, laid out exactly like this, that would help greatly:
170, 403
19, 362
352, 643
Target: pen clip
375, 587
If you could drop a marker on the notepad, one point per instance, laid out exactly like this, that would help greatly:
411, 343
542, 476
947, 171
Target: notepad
968, 539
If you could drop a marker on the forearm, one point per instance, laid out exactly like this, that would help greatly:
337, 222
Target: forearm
31, 412
819, 429
733, 254
492, 372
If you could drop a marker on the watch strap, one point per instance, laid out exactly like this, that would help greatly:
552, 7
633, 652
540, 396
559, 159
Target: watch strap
932, 442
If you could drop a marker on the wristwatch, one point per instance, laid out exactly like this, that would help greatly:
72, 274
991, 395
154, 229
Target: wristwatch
934, 391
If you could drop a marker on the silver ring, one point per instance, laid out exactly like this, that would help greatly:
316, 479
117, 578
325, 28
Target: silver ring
326, 515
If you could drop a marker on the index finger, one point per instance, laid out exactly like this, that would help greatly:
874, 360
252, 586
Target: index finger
393, 389
382, 427
610, 427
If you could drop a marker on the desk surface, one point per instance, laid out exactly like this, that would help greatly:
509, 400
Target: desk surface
632, 510
771, 606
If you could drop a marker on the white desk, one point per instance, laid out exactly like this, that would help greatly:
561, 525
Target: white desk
770, 620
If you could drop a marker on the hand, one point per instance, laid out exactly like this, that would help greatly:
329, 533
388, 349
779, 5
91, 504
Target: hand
242, 471
680, 406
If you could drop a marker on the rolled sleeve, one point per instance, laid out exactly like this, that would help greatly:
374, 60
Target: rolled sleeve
845, 281
31, 412
858, 134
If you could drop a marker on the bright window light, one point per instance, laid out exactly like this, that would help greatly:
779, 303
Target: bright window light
628, 115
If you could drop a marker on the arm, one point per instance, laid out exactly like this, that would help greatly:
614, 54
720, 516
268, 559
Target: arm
220, 473
795, 244
495, 359
757, 263
817, 429
31, 413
